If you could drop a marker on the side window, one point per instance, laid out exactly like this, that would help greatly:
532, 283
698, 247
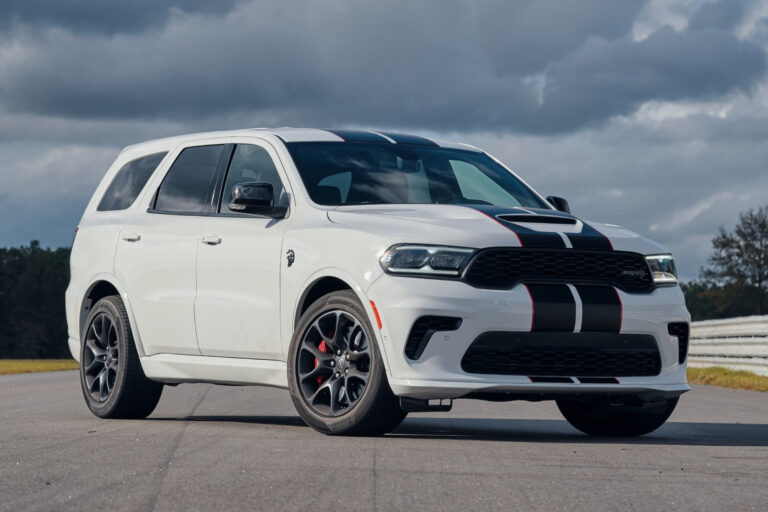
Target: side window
250, 164
128, 182
186, 186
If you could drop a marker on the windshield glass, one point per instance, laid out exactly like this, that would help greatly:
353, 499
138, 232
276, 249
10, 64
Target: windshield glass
353, 173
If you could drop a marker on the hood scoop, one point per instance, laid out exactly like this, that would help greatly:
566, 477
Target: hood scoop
539, 219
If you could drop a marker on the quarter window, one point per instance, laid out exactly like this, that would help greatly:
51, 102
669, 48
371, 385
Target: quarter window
250, 164
187, 185
129, 182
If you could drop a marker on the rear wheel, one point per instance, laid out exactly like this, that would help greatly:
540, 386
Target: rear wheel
616, 420
113, 382
335, 372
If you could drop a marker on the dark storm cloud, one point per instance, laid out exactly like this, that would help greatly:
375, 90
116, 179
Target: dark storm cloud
101, 16
535, 33
723, 14
603, 79
531, 66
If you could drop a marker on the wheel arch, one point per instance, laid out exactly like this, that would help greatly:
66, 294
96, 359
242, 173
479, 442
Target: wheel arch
101, 286
317, 289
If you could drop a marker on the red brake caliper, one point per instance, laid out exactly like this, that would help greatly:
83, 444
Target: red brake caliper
323, 348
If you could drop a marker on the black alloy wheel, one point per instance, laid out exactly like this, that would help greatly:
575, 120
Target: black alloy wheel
334, 363
101, 356
113, 382
336, 373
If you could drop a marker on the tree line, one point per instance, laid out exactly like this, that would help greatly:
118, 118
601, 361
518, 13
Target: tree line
32, 319
735, 281
33, 281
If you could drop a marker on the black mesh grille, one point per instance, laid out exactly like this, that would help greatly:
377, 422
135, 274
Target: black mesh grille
502, 268
422, 330
563, 354
681, 330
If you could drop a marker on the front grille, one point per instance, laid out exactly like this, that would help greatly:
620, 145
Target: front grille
563, 354
681, 330
502, 268
422, 331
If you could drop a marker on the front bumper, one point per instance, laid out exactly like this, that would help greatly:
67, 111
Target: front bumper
438, 374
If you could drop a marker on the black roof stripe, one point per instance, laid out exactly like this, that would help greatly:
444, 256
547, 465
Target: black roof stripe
358, 136
409, 139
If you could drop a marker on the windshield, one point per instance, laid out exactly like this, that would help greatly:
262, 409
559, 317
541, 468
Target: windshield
353, 173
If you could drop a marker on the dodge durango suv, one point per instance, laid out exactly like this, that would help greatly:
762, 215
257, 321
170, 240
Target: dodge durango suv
372, 275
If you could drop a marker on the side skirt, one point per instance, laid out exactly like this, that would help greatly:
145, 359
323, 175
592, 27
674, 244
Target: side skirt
174, 368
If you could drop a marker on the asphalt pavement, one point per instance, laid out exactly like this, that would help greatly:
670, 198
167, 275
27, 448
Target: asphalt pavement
244, 448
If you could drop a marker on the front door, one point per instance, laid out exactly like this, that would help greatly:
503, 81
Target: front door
237, 308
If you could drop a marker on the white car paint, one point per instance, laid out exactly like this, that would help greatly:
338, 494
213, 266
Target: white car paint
225, 312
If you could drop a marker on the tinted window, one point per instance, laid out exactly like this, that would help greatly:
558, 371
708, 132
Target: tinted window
333, 188
188, 182
250, 164
347, 173
128, 182
474, 184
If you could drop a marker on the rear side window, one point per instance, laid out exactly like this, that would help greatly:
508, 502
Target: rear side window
128, 182
186, 187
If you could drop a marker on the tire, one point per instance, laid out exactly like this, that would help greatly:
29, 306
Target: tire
317, 373
607, 420
108, 349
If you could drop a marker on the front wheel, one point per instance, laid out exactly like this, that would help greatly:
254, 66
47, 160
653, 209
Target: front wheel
616, 420
336, 375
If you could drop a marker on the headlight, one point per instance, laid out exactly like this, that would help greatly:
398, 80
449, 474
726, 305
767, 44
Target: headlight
662, 268
425, 259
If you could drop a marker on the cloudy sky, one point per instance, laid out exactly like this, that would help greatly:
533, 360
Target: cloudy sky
651, 114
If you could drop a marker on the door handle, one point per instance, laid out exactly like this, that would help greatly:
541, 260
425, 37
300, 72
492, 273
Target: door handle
131, 237
211, 239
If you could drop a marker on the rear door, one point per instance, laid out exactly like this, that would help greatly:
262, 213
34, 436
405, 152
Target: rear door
237, 309
156, 256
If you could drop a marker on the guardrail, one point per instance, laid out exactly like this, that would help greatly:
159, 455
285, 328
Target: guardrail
737, 343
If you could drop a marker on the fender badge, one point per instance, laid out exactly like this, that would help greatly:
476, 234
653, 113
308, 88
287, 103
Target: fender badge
290, 256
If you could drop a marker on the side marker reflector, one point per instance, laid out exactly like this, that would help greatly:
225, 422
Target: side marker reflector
376, 314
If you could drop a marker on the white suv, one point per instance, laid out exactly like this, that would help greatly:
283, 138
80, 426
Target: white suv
371, 274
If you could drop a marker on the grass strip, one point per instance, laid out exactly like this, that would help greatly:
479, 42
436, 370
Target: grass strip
9, 366
736, 379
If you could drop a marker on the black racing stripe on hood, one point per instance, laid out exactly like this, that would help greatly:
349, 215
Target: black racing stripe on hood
588, 239
527, 237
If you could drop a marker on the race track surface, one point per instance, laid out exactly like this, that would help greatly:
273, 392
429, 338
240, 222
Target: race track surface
244, 448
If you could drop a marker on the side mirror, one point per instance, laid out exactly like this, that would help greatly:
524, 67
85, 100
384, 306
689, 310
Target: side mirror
254, 198
559, 203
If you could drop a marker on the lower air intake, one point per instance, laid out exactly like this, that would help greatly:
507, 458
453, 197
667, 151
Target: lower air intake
422, 331
563, 354
681, 330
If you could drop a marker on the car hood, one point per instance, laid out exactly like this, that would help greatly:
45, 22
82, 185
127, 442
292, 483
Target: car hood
489, 226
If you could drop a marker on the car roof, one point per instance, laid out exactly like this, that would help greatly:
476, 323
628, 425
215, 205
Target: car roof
288, 135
